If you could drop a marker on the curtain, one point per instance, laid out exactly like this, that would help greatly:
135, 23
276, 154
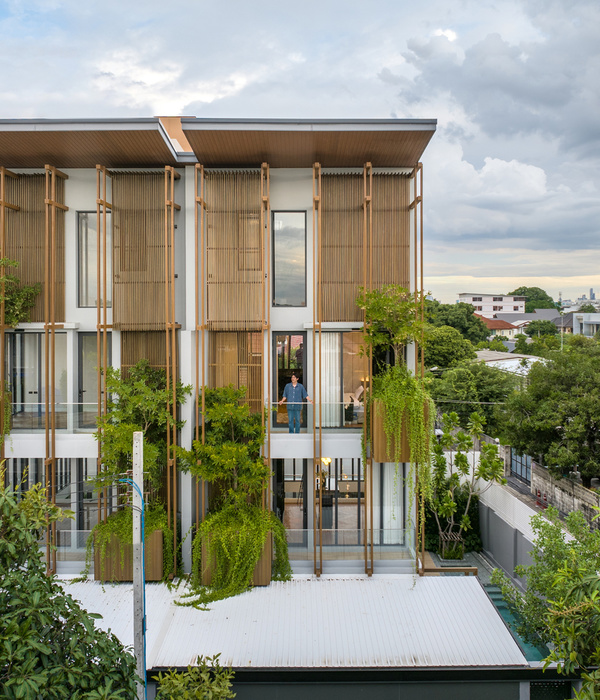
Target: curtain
330, 380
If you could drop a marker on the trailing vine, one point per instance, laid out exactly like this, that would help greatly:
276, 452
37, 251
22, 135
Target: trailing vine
392, 322
235, 530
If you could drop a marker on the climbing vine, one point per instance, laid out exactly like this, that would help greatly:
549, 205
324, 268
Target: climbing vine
18, 298
235, 530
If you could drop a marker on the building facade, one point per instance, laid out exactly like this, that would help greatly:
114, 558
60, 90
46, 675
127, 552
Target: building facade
224, 252
490, 304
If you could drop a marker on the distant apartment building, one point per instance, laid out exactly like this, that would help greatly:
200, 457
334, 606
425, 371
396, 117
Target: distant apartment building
490, 304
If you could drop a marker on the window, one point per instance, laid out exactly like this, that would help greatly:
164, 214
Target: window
289, 358
87, 227
497, 308
479, 308
498, 299
342, 380
515, 308
289, 258
477, 299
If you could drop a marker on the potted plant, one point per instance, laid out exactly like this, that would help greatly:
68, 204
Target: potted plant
138, 401
233, 546
400, 407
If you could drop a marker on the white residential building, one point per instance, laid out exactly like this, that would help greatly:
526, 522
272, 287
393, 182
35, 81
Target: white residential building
490, 304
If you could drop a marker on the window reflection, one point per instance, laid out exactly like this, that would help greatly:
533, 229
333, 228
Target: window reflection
289, 259
88, 255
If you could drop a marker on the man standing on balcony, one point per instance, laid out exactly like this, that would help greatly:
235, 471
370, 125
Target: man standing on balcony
295, 394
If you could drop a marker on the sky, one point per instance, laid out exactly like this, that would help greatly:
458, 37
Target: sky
511, 177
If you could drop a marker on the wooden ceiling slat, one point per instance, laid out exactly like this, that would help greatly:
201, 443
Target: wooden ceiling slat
83, 149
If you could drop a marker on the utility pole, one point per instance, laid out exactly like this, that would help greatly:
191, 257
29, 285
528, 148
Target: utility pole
139, 607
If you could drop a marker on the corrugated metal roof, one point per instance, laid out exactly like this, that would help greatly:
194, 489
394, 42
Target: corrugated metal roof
332, 622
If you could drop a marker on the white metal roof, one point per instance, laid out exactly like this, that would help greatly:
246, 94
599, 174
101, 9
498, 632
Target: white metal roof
331, 622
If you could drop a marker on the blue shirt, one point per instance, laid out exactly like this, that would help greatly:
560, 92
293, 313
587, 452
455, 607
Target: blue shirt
294, 395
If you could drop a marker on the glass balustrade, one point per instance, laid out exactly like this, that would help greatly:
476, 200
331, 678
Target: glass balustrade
68, 417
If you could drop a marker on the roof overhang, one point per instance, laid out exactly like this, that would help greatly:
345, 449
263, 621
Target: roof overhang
156, 142
287, 143
69, 143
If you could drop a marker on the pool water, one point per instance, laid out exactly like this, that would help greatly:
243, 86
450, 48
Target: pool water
531, 652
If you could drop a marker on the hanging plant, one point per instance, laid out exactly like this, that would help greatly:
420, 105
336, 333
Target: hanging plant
399, 398
236, 528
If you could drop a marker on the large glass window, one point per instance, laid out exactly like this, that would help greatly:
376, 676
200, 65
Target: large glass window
342, 380
289, 359
87, 224
289, 258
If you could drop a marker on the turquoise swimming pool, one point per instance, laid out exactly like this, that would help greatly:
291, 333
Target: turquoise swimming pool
530, 651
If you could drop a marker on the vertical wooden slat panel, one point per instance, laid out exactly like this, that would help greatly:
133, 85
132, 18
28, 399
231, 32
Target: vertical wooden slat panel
236, 357
342, 244
139, 345
234, 261
25, 239
138, 251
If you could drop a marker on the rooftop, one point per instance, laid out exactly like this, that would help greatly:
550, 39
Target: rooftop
308, 623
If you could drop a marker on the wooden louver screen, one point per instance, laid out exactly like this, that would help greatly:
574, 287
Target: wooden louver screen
143, 345
138, 251
341, 246
25, 239
342, 240
391, 230
237, 358
234, 251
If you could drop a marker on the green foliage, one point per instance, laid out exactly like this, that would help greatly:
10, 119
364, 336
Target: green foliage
235, 530
233, 539
456, 473
207, 680
137, 401
120, 524
231, 455
556, 418
494, 344
471, 538
473, 385
541, 328
445, 347
536, 298
587, 309
562, 603
392, 317
460, 316
49, 646
18, 299
521, 345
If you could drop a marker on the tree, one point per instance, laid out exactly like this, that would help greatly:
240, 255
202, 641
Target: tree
49, 646
446, 347
587, 309
541, 328
536, 298
494, 344
556, 418
460, 316
562, 603
459, 474
473, 386
392, 318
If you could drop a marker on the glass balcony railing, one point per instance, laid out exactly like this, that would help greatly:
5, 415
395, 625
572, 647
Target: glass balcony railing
335, 415
388, 544
69, 417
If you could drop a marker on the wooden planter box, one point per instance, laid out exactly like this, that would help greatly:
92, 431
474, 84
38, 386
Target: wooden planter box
115, 567
379, 438
262, 571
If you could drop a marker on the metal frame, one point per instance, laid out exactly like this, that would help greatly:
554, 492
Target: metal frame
171, 175
52, 208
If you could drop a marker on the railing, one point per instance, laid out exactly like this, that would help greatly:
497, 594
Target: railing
69, 417
392, 544
337, 415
